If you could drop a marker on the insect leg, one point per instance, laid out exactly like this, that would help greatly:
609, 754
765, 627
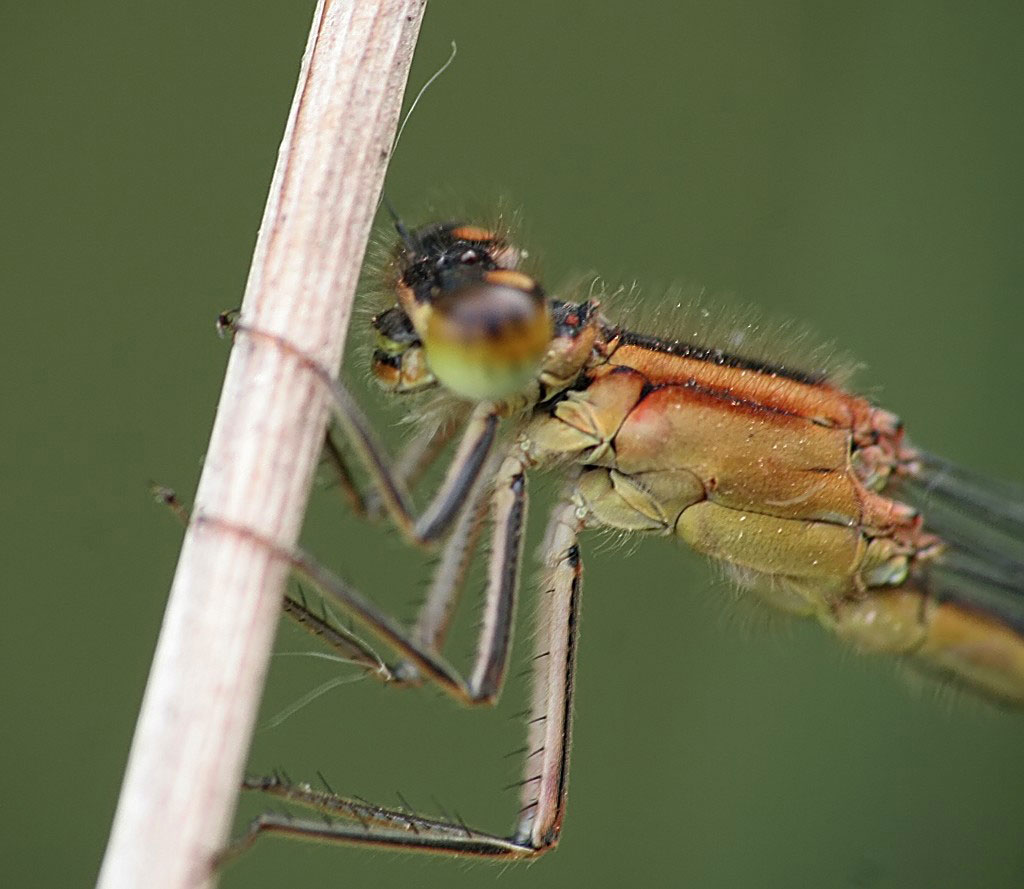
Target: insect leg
409, 466
343, 478
509, 506
423, 450
361, 823
435, 614
367, 825
550, 727
463, 471
344, 643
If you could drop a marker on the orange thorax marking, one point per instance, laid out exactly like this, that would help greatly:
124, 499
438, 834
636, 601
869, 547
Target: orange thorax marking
821, 402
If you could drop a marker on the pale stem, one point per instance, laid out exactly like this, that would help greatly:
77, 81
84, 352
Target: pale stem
197, 716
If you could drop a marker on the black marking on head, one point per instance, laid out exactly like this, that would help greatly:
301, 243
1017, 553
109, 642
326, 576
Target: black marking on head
443, 262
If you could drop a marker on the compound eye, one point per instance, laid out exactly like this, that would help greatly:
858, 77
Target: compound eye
470, 257
486, 339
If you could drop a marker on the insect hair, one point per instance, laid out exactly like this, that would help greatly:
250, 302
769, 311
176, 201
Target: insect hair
689, 313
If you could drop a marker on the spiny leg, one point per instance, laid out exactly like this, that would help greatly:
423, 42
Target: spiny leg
377, 825
541, 817
509, 508
343, 478
341, 640
545, 786
463, 471
458, 501
457, 497
550, 726
434, 616
422, 451
367, 825
414, 460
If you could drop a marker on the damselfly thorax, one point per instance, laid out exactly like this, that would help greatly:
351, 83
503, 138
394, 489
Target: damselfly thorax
809, 494
776, 472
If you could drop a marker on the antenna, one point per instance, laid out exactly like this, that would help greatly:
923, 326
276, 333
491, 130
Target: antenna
419, 95
412, 245
403, 232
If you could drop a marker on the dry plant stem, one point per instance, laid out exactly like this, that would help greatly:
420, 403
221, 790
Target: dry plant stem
204, 687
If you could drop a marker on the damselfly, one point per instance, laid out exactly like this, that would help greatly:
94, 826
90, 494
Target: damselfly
812, 497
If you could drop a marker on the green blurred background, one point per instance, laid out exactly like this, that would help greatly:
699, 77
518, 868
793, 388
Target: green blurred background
857, 166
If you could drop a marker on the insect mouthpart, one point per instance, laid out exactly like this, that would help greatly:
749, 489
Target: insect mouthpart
398, 363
